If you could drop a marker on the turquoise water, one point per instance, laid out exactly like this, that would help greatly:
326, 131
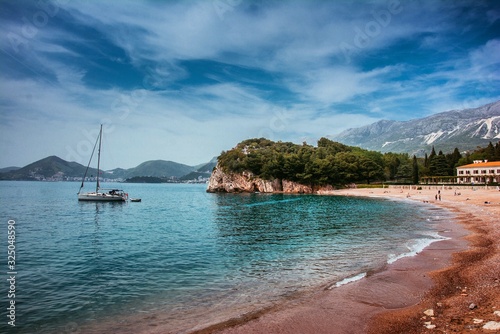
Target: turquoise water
184, 254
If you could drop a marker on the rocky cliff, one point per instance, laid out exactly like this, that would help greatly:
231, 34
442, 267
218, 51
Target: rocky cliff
221, 181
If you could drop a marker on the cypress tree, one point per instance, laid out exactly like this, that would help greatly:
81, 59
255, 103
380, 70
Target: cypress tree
415, 175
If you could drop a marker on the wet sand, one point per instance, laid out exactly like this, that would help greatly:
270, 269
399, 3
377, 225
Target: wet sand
456, 282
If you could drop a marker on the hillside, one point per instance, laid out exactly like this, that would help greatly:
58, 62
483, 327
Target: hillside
466, 129
55, 168
154, 168
329, 163
9, 169
48, 168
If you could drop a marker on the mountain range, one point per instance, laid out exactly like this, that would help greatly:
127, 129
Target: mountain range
463, 129
55, 168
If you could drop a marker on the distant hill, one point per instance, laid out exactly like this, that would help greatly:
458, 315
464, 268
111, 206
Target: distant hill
160, 168
47, 168
8, 169
465, 129
208, 167
202, 172
55, 168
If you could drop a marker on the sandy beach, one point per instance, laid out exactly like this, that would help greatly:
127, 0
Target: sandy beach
453, 286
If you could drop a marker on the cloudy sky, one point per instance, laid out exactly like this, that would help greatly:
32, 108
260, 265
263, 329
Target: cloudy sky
184, 80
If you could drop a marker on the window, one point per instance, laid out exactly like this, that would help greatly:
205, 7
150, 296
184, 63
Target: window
461, 172
475, 171
483, 171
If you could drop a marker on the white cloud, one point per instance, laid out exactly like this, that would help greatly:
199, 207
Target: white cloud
297, 43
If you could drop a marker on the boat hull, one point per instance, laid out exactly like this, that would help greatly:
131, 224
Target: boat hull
101, 197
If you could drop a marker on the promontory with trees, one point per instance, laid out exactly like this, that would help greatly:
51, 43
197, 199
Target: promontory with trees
333, 164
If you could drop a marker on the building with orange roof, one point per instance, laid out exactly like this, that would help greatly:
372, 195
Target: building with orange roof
480, 171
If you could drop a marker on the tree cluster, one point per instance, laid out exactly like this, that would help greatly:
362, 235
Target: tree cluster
337, 164
328, 163
490, 153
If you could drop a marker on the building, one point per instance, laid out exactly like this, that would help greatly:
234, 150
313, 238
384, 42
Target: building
480, 171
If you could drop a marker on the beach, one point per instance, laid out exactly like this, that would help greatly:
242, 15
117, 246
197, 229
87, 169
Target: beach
452, 286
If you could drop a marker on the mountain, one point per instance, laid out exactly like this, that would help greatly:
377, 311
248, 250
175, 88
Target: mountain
48, 168
202, 172
159, 168
208, 167
55, 168
465, 129
9, 169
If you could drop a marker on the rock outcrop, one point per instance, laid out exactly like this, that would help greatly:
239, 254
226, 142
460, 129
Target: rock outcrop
221, 181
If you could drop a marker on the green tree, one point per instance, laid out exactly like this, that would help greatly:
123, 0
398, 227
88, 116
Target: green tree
415, 176
439, 166
404, 170
369, 169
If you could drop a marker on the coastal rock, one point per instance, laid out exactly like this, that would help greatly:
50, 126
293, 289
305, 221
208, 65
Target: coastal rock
492, 325
296, 188
221, 181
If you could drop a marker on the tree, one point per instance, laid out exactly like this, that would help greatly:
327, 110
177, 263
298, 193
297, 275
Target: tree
405, 170
433, 154
453, 160
415, 176
439, 166
369, 170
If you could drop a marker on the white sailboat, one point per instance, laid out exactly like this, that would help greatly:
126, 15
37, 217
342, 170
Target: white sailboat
100, 195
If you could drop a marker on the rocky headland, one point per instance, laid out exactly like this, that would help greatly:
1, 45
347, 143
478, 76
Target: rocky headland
225, 182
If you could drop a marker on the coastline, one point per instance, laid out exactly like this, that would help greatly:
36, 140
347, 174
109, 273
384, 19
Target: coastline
457, 278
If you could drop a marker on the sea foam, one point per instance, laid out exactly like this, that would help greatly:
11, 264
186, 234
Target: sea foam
416, 246
348, 280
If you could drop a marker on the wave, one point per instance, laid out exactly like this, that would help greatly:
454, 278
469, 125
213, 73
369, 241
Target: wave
348, 280
416, 246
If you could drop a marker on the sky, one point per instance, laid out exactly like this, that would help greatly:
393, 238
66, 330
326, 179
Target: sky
185, 80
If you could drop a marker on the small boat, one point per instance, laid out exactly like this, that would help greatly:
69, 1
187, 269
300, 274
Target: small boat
100, 195
135, 200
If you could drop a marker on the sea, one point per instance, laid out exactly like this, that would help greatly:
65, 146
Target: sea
183, 257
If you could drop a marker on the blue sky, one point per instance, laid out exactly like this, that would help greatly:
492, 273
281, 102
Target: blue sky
184, 80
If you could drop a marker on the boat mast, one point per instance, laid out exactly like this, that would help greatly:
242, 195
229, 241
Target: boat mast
88, 165
98, 160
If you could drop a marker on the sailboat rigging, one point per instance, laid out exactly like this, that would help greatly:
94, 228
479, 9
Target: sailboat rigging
100, 195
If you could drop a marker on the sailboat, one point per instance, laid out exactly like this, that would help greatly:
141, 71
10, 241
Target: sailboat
100, 195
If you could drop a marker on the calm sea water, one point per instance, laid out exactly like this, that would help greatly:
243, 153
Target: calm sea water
184, 253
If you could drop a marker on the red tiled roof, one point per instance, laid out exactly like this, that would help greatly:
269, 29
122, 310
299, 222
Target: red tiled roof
482, 164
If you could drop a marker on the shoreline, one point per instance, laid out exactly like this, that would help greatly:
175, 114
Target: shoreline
457, 278
447, 276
